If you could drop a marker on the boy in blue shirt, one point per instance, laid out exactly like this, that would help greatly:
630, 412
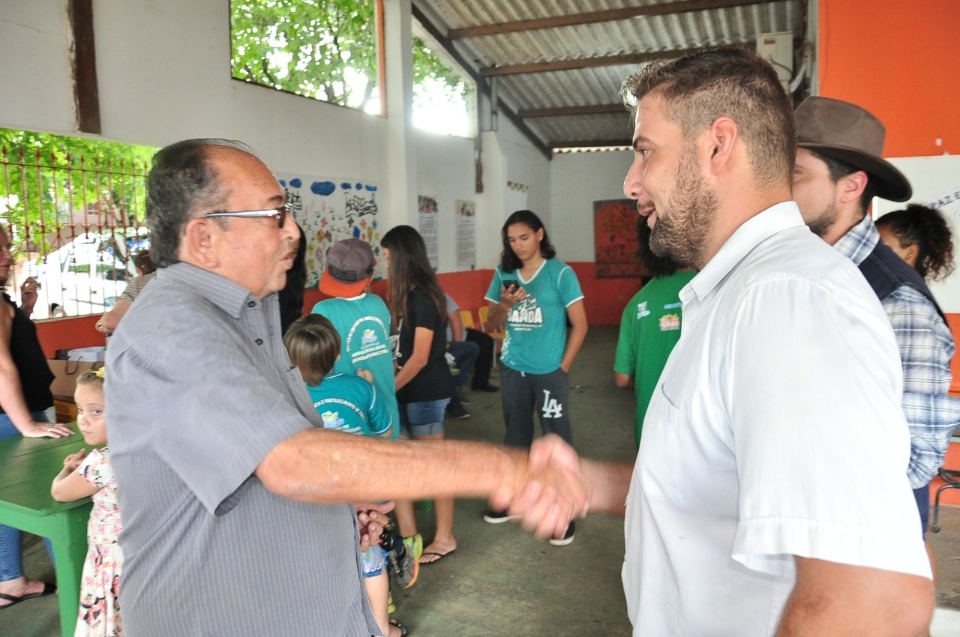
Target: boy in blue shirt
351, 404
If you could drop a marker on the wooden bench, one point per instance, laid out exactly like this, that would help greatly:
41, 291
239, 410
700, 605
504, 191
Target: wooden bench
27, 467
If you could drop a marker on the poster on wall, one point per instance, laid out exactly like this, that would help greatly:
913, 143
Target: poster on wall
329, 210
427, 207
615, 238
466, 234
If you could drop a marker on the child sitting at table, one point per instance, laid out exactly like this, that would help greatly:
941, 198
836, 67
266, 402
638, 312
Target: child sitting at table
90, 475
351, 404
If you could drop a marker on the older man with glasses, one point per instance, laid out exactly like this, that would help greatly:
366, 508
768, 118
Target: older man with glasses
235, 499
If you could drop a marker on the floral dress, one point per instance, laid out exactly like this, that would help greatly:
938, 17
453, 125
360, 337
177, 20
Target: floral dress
100, 583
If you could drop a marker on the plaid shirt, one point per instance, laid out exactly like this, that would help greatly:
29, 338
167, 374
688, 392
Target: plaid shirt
926, 347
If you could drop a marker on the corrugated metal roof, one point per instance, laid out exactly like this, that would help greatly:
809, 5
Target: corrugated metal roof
534, 87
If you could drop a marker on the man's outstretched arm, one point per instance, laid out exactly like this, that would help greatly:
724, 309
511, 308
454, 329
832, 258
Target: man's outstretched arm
326, 466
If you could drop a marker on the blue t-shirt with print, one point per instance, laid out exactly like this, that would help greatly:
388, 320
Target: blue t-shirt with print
537, 326
350, 404
363, 324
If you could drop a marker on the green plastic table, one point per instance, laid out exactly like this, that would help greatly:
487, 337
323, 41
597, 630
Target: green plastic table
27, 467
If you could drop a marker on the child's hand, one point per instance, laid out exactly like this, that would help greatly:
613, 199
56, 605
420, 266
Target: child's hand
366, 375
371, 518
71, 462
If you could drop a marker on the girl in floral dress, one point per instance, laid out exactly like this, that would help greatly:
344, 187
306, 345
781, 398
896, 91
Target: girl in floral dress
90, 475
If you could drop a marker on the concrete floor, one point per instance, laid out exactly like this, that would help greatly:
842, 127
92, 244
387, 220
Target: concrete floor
501, 581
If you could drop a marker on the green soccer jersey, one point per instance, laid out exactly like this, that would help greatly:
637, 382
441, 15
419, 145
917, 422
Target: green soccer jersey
537, 326
363, 323
649, 328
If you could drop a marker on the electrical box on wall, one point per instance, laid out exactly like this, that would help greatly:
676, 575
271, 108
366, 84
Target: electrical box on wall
777, 48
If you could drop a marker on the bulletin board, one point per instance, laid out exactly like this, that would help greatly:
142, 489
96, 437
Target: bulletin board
615, 239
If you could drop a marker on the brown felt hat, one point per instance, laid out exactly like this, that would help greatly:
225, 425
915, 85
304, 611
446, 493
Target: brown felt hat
852, 135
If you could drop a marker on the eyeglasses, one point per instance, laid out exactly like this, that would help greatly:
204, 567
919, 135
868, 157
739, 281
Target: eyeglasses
280, 213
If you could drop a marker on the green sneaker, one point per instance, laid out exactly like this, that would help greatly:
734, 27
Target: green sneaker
391, 609
414, 549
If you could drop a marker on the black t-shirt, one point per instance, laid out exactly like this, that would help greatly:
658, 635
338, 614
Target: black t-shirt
434, 381
28, 357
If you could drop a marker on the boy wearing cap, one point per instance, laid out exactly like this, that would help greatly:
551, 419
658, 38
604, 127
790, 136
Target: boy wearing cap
363, 322
838, 172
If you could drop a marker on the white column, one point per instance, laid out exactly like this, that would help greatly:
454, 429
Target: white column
401, 181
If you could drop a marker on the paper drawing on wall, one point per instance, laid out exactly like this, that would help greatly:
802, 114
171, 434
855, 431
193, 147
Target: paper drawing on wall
466, 234
615, 238
329, 210
427, 208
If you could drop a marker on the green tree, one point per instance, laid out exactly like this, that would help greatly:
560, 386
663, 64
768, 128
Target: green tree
307, 47
47, 177
324, 49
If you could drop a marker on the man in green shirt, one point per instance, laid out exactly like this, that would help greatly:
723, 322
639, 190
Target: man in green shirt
650, 326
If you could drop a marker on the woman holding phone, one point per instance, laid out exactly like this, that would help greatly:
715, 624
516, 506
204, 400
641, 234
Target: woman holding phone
535, 296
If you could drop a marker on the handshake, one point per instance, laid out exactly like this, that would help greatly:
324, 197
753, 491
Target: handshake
554, 488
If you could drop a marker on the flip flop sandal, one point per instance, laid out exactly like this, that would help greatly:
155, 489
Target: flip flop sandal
48, 589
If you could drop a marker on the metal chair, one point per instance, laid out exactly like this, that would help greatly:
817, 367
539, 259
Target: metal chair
951, 480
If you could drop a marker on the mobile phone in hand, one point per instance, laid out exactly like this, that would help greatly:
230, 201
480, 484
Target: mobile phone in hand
511, 286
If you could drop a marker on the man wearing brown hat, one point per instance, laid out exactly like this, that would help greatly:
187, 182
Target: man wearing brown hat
839, 170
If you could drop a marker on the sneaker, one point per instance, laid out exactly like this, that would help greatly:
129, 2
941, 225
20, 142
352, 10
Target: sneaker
404, 556
498, 517
456, 410
463, 397
414, 549
391, 607
567, 537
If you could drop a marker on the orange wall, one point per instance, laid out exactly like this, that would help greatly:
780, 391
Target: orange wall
604, 298
68, 334
954, 321
898, 59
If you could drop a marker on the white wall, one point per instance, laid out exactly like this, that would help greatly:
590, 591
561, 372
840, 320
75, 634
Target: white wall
164, 75
35, 67
579, 179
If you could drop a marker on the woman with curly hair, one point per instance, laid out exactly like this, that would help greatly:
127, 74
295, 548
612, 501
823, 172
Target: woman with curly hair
921, 237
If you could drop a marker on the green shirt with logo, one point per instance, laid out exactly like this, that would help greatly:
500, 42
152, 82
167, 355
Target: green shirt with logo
649, 328
363, 323
536, 328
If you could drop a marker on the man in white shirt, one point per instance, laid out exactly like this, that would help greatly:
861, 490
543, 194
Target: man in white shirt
769, 495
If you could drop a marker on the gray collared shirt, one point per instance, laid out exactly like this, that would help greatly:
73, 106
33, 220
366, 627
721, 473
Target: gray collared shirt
199, 390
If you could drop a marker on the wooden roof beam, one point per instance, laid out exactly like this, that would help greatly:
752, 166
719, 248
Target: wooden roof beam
482, 84
591, 17
564, 111
591, 143
583, 63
